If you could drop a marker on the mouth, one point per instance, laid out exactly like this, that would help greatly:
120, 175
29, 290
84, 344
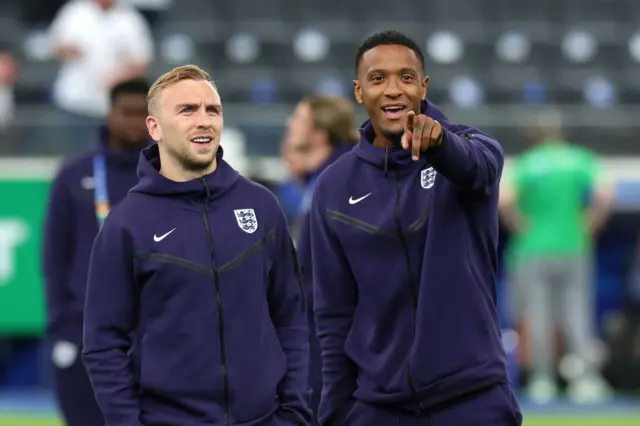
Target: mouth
202, 140
393, 112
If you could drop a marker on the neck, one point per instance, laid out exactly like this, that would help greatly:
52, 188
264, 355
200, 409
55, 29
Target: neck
119, 145
113, 142
387, 140
176, 173
382, 142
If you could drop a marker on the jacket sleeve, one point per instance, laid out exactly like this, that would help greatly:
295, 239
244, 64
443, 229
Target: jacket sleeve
57, 255
469, 158
335, 295
111, 308
287, 306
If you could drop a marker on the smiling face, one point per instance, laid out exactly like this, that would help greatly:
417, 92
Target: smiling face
188, 124
390, 83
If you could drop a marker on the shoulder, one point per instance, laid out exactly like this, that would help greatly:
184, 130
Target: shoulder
74, 6
130, 16
523, 161
73, 10
75, 168
583, 153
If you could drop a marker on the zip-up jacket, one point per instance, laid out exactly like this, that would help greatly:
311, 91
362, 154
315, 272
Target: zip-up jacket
404, 272
204, 274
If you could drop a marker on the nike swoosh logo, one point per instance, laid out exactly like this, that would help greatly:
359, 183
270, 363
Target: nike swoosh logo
162, 237
353, 201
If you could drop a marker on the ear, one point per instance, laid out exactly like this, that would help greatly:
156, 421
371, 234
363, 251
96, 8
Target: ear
357, 91
153, 126
425, 85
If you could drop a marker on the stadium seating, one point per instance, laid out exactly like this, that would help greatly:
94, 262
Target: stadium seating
493, 63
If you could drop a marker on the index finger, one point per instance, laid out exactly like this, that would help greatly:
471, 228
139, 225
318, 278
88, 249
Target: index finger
410, 117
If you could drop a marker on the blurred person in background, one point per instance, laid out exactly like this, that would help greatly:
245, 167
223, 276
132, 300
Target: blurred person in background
321, 129
100, 43
154, 11
81, 196
554, 201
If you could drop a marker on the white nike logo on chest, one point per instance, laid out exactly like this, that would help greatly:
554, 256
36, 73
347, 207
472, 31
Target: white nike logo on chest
162, 237
357, 200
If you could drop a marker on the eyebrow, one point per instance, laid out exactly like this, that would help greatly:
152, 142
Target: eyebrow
196, 105
400, 71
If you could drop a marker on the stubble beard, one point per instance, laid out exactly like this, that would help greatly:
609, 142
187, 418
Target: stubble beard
189, 162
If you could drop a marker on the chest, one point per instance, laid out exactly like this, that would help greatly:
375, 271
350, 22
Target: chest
393, 209
204, 237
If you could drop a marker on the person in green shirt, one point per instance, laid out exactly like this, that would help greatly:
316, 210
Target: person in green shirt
554, 200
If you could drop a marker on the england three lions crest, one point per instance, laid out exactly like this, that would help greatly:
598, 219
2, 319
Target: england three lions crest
428, 177
247, 220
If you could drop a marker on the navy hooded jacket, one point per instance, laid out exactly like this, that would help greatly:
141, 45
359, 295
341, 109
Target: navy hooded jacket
70, 228
404, 272
205, 275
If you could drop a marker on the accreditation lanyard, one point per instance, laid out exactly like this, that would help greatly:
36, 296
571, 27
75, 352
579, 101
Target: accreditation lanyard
101, 197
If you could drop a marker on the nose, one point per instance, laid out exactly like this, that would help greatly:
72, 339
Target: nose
392, 88
205, 121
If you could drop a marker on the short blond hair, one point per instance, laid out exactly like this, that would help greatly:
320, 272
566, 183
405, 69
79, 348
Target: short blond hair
184, 72
336, 116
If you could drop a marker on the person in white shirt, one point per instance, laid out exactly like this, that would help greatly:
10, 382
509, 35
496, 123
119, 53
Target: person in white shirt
154, 11
100, 43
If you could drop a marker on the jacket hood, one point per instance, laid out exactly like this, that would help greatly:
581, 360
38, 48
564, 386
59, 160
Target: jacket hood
212, 185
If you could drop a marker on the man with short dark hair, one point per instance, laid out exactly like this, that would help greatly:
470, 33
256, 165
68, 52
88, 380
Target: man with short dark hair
82, 194
404, 233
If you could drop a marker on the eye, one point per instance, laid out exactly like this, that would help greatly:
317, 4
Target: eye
212, 110
376, 78
187, 110
407, 77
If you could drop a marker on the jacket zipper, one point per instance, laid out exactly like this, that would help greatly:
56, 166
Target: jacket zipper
414, 286
386, 161
216, 282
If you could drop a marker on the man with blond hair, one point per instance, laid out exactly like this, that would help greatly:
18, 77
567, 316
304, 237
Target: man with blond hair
197, 263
